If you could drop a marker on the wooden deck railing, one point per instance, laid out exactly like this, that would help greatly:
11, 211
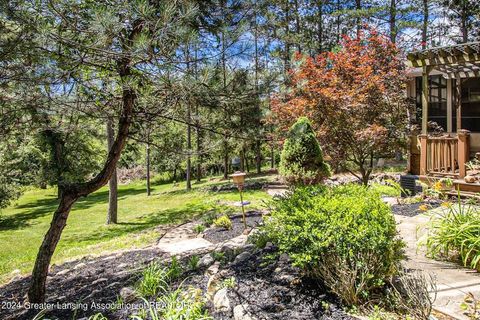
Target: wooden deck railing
444, 155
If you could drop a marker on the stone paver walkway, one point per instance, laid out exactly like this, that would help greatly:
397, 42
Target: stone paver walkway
182, 239
453, 281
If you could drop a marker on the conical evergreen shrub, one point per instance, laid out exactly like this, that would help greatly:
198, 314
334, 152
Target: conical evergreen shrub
302, 157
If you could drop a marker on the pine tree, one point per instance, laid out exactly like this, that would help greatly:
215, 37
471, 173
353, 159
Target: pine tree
302, 157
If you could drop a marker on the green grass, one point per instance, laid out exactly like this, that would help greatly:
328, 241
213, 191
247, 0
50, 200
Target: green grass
23, 225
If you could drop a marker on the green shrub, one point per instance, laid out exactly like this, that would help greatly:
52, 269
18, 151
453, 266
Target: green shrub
345, 236
223, 222
302, 159
455, 231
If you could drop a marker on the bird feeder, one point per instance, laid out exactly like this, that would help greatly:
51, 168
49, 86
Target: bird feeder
239, 179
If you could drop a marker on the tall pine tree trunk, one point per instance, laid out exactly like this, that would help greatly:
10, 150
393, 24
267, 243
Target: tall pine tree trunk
393, 21
425, 24
147, 160
358, 7
112, 183
189, 150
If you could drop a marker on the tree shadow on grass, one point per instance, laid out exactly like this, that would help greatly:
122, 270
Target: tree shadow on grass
34, 210
101, 197
41, 207
162, 217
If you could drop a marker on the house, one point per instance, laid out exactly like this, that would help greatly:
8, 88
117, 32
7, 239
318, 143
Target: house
445, 84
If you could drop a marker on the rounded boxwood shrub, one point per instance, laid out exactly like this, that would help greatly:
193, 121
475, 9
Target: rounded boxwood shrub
301, 161
345, 236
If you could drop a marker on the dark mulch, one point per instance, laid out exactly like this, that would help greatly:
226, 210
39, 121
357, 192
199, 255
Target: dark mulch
217, 235
412, 209
96, 280
256, 185
276, 290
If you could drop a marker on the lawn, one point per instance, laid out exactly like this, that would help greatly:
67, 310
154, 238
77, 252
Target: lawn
23, 225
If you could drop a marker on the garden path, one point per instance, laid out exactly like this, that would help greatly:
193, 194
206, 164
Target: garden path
453, 281
182, 239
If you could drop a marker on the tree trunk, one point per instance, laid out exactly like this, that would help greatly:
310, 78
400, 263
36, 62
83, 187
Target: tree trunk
112, 183
425, 24
189, 149
272, 161
358, 7
225, 163
320, 25
257, 100
199, 155
242, 159
36, 292
71, 193
286, 57
463, 25
258, 156
393, 21
148, 165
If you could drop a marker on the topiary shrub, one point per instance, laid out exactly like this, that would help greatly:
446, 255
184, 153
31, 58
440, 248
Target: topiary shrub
301, 161
345, 236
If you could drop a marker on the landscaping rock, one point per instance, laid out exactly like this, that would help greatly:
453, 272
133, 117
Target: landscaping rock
99, 281
221, 301
213, 269
240, 313
242, 257
128, 294
63, 272
206, 261
79, 266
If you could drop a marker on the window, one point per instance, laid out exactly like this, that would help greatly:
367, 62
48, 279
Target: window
437, 106
471, 104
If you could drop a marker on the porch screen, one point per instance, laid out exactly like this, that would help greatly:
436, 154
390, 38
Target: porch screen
471, 104
437, 106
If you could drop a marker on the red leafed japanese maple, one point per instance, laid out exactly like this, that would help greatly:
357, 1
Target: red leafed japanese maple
355, 98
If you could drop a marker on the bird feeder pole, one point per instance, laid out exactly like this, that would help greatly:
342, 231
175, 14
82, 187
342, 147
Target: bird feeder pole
239, 179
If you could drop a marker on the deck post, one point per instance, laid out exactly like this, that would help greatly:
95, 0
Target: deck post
425, 97
463, 152
458, 102
423, 154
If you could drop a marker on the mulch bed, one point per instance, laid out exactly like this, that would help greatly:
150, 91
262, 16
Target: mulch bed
271, 288
217, 235
276, 290
413, 209
86, 280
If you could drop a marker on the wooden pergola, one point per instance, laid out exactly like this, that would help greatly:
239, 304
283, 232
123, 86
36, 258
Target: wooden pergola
444, 155
453, 62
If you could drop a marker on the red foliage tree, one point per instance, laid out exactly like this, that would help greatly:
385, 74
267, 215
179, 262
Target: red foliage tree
355, 98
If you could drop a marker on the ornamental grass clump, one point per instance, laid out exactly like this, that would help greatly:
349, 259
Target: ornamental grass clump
454, 232
344, 236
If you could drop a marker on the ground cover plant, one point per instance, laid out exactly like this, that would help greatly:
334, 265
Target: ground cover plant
344, 236
454, 233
